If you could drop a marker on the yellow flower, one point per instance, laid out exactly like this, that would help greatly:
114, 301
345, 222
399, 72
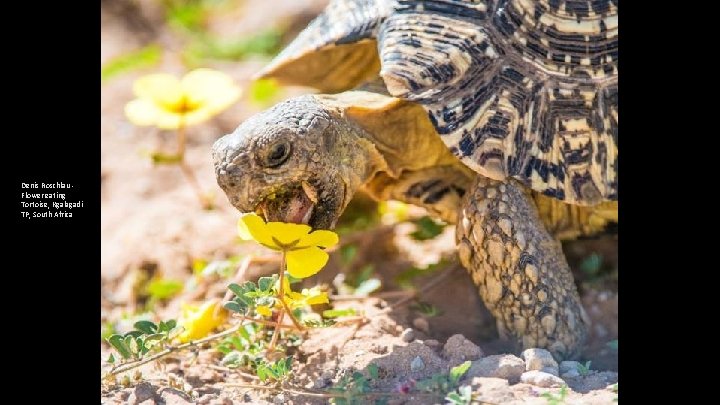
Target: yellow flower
169, 103
264, 310
199, 321
302, 247
308, 296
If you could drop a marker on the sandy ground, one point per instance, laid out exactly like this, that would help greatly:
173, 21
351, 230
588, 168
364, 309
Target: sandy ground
152, 225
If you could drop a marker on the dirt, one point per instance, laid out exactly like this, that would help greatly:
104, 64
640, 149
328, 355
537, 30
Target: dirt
153, 226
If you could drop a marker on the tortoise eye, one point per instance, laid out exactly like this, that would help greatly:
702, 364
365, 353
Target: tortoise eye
278, 154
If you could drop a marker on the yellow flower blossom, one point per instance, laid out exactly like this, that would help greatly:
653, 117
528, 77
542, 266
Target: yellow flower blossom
169, 103
308, 296
302, 248
264, 310
198, 322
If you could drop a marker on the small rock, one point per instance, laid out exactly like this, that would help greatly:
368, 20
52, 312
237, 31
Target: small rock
569, 369
541, 379
432, 343
320, 383
417, 364
171, 396
422, 325
458, 349
279, 399
568, 365
504, 366
408, 335
540, 360
142, 392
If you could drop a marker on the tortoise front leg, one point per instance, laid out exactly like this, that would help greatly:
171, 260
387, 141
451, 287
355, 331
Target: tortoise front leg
520, 269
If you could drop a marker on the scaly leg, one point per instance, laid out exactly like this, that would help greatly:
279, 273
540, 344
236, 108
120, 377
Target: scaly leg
520, 269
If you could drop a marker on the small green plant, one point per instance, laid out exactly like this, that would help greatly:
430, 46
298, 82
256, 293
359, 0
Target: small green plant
591, 265
461, 396
426, 228
426, 309
351, 387
142, 58
146, 337
444, 383
276, 371
159, 289
558, 399
584, 369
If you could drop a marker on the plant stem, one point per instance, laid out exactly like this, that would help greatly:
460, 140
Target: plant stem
129, 366
181, 141
187, 171
281, 293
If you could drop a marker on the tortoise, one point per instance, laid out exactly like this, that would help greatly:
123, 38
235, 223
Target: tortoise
498, 116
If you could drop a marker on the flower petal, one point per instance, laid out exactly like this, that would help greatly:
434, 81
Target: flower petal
252, 227
264, 310
320, 298
200, 322
320, 238
142, 112
304, 263
288, 233
210, 89
161, 88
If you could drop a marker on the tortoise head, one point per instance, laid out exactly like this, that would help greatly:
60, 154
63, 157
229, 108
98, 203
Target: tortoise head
297, 162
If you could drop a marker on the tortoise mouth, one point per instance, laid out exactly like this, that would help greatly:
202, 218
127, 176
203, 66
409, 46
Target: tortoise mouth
303, 202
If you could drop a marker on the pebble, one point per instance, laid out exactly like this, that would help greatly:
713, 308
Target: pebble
541, 379
421, 324
408, 335
504, 366
540, 360
417, 364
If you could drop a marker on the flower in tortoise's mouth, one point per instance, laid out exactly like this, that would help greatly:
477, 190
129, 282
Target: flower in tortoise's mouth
296, 204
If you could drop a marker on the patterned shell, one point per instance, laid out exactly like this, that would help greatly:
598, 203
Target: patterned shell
515, 88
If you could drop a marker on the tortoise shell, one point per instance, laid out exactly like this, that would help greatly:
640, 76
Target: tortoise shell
514, 88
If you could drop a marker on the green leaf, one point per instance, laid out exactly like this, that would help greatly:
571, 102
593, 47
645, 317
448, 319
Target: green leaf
233, 358
118, 342
107, 330
134, 333
141, 58
458, 371
368, 286
427, 228
266, 283
111, 359
592, 264
373, 371
146, 327
336, 313
348, 253
160, 158
132, 344
234, 307
167, 326
161, 289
